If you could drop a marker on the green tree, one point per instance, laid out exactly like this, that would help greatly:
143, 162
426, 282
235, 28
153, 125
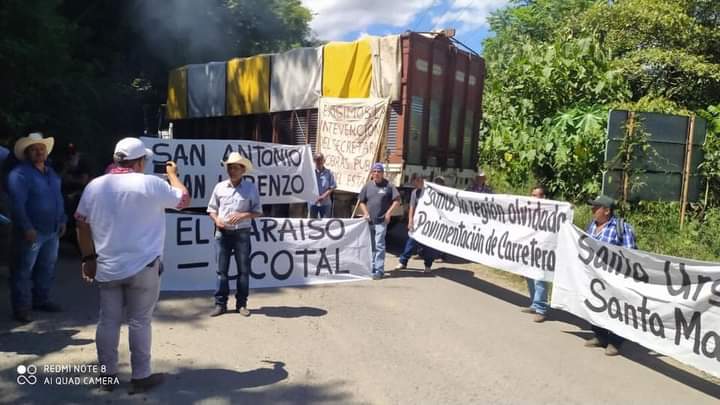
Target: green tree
665, 48
556, 67
90, 71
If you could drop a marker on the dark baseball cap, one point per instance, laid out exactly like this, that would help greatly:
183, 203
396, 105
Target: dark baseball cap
603, 201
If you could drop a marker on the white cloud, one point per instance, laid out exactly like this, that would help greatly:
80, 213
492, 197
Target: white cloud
468, 15
332, 19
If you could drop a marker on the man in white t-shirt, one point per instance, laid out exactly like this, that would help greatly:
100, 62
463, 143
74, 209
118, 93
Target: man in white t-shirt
121, 232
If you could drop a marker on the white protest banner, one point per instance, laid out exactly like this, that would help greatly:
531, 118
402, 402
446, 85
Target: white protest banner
285, 252
510, 233
282, 173
349, 134
667, 304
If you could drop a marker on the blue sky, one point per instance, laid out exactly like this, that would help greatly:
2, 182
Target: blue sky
343, 20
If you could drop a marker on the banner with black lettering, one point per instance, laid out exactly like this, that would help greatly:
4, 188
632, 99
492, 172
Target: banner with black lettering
667, 304
349, 134
510, 233
285, 252
282, 173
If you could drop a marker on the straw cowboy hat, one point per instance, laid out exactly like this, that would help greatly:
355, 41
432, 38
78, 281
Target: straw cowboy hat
32, 139
235, 158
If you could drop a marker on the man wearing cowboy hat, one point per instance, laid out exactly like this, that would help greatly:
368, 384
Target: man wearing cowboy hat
39, 221
233, 205
120, 223
479, 184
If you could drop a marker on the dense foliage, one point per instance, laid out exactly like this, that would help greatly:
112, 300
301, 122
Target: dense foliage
91, 71
556, 67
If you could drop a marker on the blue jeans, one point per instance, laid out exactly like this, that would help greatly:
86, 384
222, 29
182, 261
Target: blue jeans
428, 254
34, 270
319, 211
538, 295
233, 243
377, 240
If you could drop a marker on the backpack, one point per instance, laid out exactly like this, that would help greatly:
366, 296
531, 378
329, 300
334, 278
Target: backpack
620, 230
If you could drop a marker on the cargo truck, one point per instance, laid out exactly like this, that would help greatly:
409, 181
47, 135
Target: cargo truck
433, 119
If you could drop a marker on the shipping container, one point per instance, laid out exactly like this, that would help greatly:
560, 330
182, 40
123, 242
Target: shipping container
432, 129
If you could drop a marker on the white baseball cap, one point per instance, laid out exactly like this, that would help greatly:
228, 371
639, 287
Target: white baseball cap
130, 149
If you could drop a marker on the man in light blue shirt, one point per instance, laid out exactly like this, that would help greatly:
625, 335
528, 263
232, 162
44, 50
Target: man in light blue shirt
233, 205
326, 185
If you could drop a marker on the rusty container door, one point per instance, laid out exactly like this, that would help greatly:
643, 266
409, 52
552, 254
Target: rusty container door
440, 104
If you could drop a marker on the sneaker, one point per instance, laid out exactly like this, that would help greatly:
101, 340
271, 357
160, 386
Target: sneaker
48, 307
22, 316
539, 318
611, 350
594, 342
377, 276
528, 310
400, 266
145, 384
427, 269
219, 310
243, 311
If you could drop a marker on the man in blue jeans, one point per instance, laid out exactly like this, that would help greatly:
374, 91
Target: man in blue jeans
326, 185
233, 205
537, 288
411, 244
608, 228
378, 198
38, 215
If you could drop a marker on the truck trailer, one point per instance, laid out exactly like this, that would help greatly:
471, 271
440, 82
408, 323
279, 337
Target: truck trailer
433, 118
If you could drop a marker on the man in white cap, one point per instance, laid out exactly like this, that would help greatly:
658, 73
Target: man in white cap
38, 215
479, 185
121, 233
233, 205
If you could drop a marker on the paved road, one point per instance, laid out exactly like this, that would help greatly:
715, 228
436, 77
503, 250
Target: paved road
449, 337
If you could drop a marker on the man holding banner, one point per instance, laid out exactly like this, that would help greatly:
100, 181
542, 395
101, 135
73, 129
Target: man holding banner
606, 227
537, 288
411, 244
378, 198
233, 205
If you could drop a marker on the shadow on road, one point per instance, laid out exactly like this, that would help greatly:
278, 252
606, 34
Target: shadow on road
630, 350
652, 360
188, 385
40, 343
467, 278
289, 312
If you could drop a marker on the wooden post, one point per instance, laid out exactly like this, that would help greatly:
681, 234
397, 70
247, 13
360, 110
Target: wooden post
628, 155
686, 170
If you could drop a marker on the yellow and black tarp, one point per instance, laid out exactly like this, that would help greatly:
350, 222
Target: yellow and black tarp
347, 69
248, 85
177, 94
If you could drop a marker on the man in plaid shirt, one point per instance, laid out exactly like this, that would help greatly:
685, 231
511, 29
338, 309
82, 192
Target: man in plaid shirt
608, 228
